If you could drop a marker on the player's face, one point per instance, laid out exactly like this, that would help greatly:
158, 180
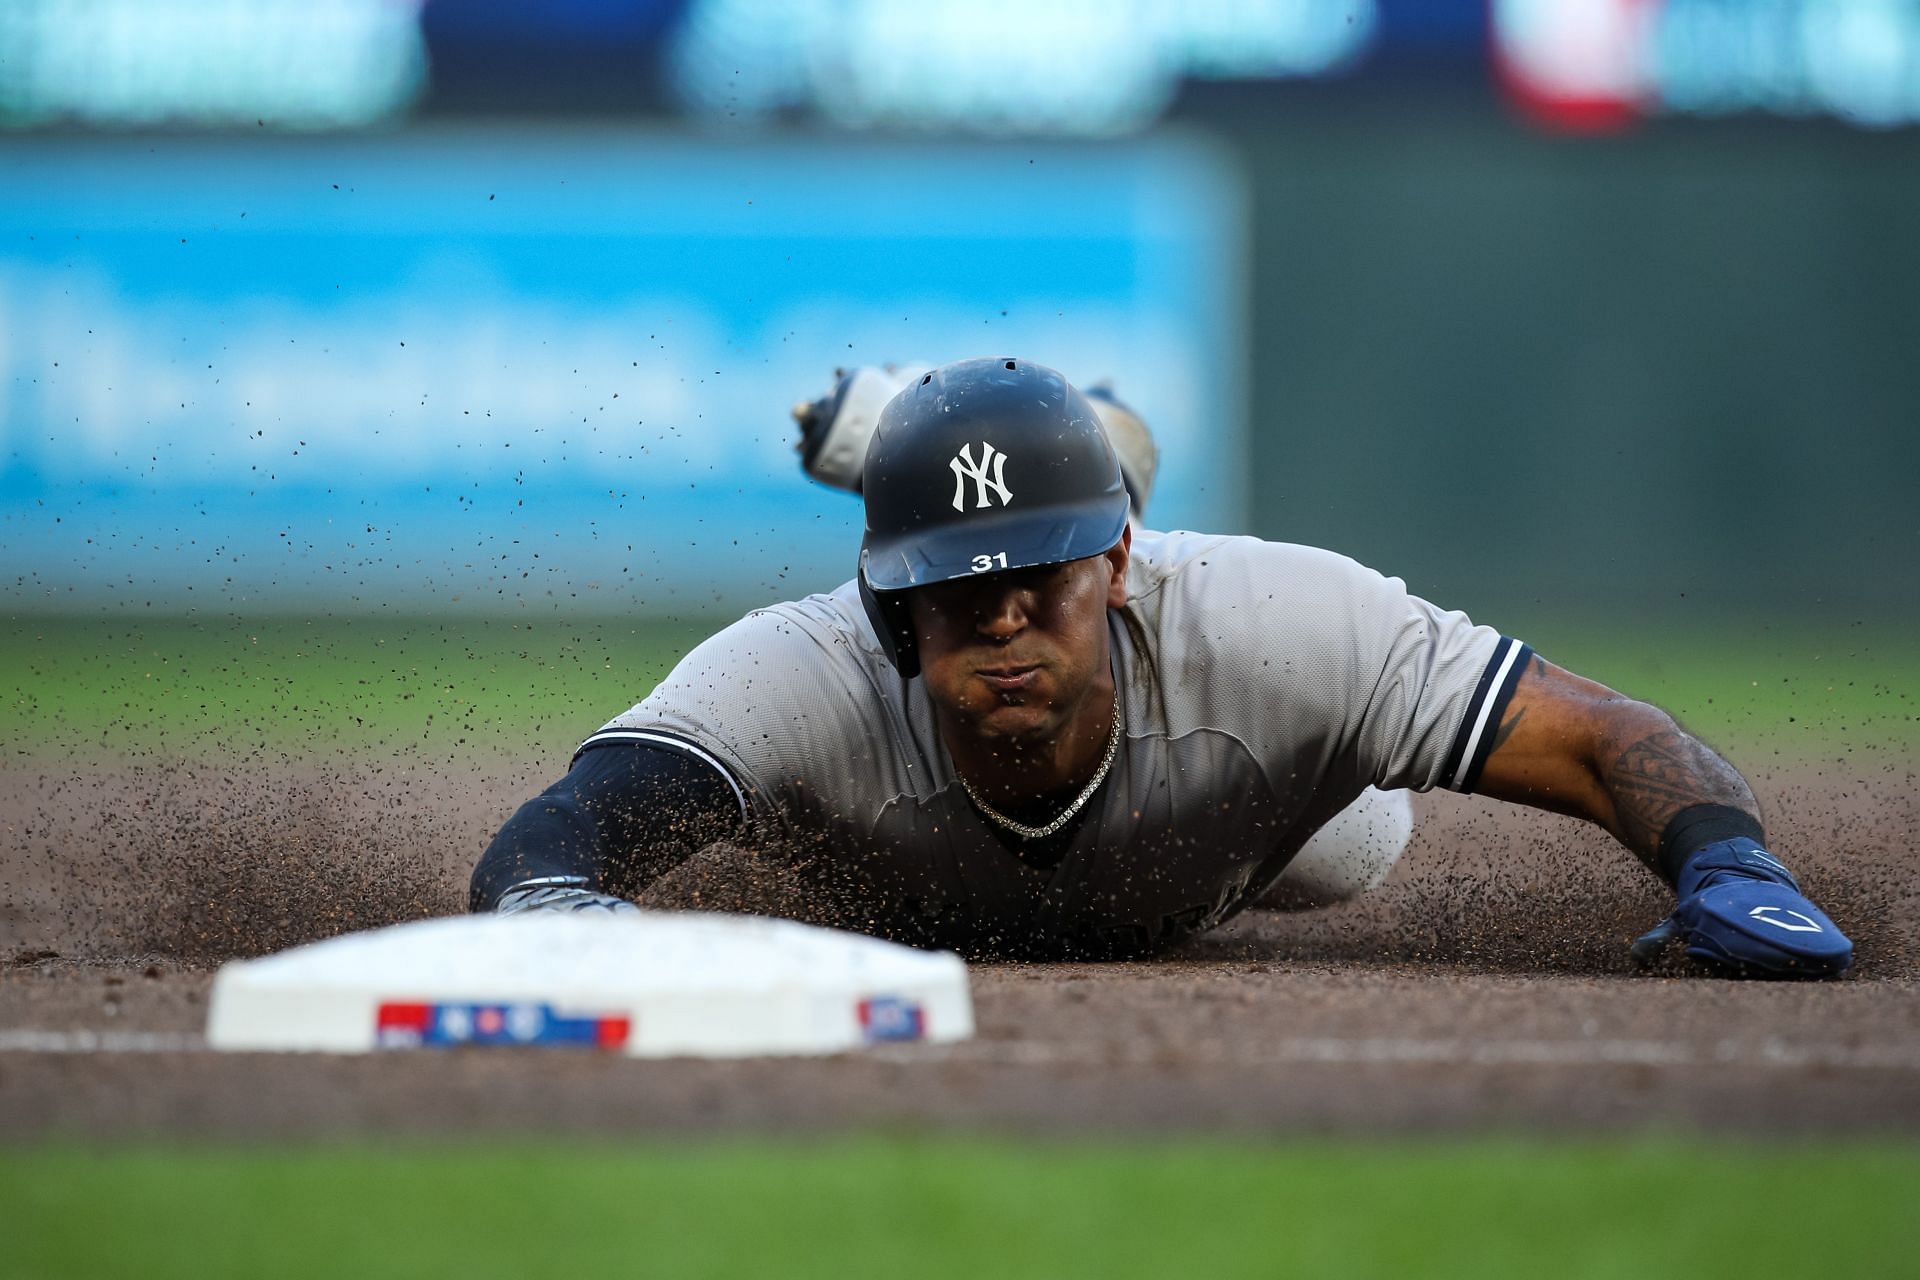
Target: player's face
1014, 655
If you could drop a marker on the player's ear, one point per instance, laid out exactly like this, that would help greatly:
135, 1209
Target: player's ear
1116, 559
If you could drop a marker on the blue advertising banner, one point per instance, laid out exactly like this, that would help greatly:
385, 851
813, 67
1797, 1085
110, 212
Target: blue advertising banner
516, 368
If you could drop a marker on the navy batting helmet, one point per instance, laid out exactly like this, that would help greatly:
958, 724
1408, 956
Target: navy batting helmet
979, 467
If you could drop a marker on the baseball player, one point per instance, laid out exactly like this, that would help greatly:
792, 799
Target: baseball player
1026, 729
1355, 849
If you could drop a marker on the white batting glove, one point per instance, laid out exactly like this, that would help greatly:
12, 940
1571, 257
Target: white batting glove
836, 429
561, 893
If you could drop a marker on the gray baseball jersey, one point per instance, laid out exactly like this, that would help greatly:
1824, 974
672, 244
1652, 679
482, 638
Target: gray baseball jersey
1264, 686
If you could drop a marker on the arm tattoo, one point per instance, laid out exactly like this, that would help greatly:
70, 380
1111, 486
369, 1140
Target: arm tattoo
1660, 775
1507, 727
1536, 665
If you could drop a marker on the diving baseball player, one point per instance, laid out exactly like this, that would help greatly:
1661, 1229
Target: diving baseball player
1355, 849
1025, 729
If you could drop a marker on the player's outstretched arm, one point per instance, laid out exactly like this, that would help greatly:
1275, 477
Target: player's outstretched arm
1573, 746
625, 814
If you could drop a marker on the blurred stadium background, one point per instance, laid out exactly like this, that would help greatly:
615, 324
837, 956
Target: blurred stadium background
1557, 308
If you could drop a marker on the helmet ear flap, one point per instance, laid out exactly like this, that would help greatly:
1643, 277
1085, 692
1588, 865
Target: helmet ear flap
893, 625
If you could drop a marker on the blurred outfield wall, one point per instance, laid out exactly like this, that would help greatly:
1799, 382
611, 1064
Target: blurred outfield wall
498, 368
1672, 375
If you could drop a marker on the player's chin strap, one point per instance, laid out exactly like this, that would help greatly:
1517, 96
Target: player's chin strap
560, 893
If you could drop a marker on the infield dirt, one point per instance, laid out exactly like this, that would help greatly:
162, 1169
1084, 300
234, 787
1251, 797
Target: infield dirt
1486, 985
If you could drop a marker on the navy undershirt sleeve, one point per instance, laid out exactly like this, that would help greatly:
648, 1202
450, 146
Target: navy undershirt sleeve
624, 815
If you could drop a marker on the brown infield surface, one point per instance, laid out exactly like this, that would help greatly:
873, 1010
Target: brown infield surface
1486, 986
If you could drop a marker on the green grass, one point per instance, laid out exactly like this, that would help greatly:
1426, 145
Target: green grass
501, 687
179, 686
1797, 691
938, 1208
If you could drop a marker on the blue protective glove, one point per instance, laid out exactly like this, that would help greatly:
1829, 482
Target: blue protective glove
1742, 913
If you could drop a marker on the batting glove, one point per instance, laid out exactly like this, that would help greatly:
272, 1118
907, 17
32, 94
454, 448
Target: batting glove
1742, 913
561, 893
836, 429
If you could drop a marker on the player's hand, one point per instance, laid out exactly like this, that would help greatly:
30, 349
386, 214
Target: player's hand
564, 894
1742, 913
836, 429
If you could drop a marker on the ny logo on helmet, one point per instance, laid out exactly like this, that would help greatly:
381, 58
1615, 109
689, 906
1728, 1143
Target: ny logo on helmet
965, 469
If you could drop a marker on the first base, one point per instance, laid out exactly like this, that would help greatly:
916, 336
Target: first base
652, 985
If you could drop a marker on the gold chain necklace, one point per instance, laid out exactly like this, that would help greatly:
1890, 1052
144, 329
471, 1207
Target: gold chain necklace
1026, 832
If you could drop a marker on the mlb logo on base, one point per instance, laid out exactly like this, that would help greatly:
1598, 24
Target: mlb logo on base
443, 1024
891, 1018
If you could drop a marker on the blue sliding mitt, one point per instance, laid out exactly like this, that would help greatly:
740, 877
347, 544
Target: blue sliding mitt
1742, 913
